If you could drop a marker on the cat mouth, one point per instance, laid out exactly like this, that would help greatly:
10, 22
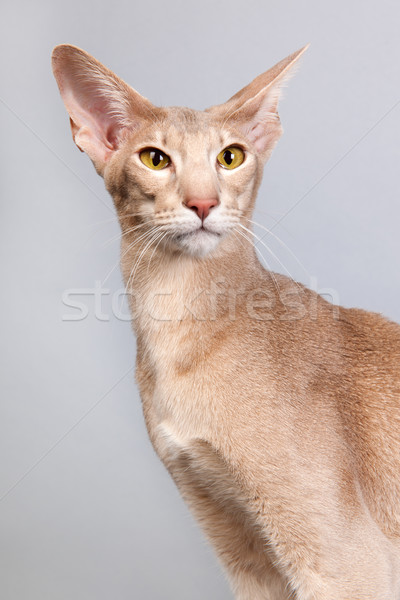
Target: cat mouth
198, 242
197, 232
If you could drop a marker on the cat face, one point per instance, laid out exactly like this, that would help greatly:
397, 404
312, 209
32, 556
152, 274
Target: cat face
182, 177
187, 176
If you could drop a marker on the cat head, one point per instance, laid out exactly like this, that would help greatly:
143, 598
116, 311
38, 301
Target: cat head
187, 176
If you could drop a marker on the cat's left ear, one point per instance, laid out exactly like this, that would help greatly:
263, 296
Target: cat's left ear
254, 109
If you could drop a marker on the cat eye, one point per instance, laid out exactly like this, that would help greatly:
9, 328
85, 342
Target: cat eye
231, 157
154, 159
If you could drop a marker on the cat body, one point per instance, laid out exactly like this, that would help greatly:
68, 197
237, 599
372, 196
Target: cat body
276, 413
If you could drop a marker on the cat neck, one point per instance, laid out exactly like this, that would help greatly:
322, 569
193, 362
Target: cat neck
172, 287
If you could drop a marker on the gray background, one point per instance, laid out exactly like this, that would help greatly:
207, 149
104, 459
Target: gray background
86, 510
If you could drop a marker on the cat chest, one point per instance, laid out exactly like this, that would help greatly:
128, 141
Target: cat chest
198, 467
198, 385
179, 378
182, 408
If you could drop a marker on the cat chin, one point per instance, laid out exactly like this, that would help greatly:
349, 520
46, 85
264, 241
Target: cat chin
198, 243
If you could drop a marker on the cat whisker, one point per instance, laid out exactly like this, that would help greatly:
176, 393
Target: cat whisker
126, 290
271, 273
154, 237
115, 218
240, 238
270, 213
277, 221
145, 243
104, 222
124, 233
147, 233
155, 248
273, 254
277, 238
100, 224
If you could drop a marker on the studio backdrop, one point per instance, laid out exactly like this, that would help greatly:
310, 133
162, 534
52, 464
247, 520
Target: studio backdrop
86, 509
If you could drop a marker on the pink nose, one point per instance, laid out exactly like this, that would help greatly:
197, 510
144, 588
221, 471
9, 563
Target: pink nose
201, 206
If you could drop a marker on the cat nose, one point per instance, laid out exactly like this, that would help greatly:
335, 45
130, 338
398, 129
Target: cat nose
201, 206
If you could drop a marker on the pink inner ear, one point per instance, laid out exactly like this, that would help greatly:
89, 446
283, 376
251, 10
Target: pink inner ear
98, 111
258, 136
100, 105
263, 134
95, 129
106, 126
109, 131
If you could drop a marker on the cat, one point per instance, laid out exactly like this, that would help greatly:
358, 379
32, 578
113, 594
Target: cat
276, 413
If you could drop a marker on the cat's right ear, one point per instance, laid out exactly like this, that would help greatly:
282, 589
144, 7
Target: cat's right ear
102, 107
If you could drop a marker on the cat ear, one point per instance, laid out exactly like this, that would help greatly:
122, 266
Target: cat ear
254, 109
102, 107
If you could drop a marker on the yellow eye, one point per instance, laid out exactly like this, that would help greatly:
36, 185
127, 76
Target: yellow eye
231, 157
154, 159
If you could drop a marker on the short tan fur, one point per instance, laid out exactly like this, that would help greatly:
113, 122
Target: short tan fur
276, 413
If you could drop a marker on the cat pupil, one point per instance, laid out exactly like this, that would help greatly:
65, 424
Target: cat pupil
228, 157
156, 158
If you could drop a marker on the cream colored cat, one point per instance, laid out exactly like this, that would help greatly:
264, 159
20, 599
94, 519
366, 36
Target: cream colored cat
277, 414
